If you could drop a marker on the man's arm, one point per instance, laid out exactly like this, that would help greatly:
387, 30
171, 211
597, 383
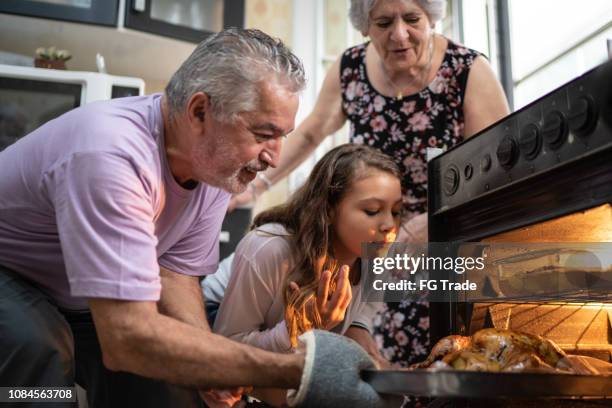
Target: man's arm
182, 298
136, 338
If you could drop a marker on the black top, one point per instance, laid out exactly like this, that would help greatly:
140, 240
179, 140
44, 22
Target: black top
404, 128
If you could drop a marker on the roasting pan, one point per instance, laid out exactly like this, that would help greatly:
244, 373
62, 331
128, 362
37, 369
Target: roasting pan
475, 384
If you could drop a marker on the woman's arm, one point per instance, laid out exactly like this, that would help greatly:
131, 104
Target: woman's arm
326, 118
485, 102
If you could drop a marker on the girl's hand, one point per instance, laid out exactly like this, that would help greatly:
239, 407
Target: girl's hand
332, 310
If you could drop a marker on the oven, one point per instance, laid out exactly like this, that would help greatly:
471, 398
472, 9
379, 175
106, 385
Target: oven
522, 213
534, 192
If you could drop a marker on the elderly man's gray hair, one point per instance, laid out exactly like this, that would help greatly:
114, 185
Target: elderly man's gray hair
359, 13
229, 67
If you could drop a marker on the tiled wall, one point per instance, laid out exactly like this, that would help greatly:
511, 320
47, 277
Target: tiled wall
272, 16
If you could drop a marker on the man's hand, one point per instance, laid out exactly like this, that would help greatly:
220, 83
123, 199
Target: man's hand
332, 309
223, 398
332, 375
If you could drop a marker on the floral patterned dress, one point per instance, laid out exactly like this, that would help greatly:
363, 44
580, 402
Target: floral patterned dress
404, 128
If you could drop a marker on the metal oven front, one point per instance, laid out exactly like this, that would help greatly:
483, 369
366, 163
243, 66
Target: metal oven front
533, 195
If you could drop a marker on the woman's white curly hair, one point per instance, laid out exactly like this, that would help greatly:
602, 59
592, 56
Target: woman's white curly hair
359, 13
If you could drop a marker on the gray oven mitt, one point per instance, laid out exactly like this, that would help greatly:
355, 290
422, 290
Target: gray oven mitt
331, 376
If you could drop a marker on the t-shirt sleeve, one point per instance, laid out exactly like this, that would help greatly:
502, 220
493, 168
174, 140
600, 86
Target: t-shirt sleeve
197, 252
104, 213
254, 285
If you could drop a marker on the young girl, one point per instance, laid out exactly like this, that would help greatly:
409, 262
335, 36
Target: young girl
298, 268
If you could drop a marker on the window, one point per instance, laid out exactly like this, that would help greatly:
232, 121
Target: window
333, 33
546, 44
570, 39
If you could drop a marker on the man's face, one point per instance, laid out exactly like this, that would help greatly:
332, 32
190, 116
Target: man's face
231, 154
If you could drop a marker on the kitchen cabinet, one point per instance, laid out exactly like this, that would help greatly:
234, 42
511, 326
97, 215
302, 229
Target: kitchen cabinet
102, 12
189, 20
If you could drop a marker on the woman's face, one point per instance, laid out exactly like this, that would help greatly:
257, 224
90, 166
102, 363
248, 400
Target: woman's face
400, 32
369, 212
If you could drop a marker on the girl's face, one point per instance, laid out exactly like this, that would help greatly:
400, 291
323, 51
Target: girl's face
369, 212
400, 32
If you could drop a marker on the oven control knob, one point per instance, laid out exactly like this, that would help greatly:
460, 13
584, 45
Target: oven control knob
554, 129
582, 116
451, 180
468, 171
530, 141
485, 163
507, 152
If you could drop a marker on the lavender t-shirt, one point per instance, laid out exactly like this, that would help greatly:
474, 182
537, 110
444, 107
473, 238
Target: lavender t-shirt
89, 208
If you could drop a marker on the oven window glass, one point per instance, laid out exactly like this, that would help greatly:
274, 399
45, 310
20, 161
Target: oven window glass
71, 3
206, 15
27, 104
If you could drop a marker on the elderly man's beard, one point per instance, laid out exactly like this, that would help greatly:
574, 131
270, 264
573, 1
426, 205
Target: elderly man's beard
238, 182
215, 165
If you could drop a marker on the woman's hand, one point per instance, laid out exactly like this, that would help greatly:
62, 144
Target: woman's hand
332, 310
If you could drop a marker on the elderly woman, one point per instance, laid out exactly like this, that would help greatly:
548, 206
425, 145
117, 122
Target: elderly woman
406, 89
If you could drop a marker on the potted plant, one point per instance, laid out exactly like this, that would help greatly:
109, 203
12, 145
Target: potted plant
51, 58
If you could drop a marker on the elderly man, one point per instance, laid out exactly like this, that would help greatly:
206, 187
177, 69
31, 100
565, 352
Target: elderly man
110, 213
